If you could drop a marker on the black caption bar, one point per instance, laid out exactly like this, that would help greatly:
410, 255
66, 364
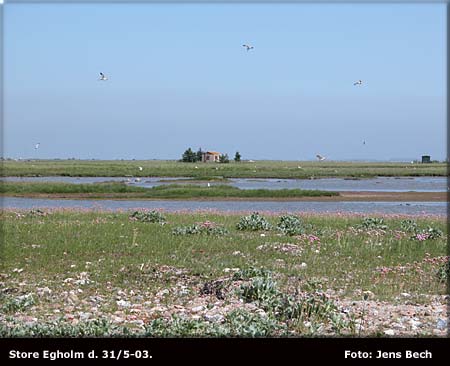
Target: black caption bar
159, 351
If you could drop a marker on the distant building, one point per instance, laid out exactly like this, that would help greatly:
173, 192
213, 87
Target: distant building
210, 157
426, 159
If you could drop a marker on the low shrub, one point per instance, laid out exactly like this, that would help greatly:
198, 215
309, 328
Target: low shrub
290, 225
20, 303
253, 222
409, 226
443, 272
60, 328
251, 272
145, 216
373, 223
427, 234
207, 227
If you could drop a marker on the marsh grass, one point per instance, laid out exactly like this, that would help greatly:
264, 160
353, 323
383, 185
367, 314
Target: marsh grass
257, 169
172, 191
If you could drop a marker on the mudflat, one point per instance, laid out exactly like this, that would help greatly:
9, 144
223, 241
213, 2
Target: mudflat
343, 196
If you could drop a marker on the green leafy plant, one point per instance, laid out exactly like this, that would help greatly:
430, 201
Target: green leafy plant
290, 225
409, 225
144, 216
251, 272
243, 323
37, 212
443, 272
253, 222
313, 307
179, 326
19, 303
373, 223
433, 233
238, 322
207, 227
59, 328
427, 234
261, 289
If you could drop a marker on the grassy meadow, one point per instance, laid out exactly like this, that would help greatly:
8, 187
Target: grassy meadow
244, 169
87, 273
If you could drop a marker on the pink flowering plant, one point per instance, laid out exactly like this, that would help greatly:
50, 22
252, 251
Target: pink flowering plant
427, 234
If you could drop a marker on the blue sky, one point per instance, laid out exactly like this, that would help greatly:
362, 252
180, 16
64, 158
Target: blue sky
179, 77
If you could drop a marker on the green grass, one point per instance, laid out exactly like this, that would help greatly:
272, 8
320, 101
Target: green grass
257, 169
112, 237
120, 255
172, 191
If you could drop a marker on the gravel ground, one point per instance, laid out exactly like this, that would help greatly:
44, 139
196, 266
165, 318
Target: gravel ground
78, 299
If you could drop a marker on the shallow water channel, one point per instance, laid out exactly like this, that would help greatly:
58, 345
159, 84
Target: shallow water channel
379, 184
410, 208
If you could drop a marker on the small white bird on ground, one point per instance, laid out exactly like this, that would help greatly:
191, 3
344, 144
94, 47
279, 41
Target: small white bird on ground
320, 157
103, 77
209, 185
359, 82
248, 47
140, 168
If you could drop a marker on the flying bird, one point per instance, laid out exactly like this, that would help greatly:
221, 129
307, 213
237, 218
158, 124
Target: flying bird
320, 157
364, 142
103, 77
359, 82
37, 145
248, 47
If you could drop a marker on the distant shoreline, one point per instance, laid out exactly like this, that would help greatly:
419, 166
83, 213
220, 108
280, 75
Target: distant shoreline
263, 169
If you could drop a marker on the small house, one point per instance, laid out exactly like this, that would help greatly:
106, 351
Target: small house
210, 157
426, 159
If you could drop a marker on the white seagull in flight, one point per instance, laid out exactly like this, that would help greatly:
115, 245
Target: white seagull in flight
37, 145
103, 77
320, 157
248, 47
359, 82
